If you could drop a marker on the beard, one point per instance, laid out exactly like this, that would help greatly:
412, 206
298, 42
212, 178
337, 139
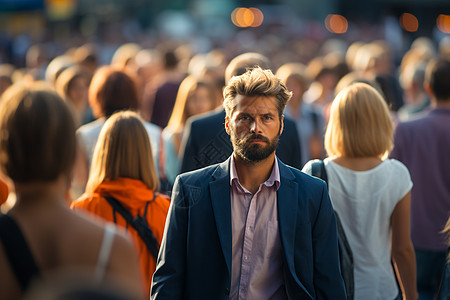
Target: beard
253, 152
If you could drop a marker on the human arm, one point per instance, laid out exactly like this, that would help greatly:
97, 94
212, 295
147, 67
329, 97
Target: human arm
168, 279
402, 250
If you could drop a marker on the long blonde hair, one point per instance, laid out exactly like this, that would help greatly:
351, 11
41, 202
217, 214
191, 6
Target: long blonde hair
186, 90
123, 150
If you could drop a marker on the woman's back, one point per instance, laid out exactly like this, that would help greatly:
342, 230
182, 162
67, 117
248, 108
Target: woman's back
37, 152
371, 195
365, 201
59, 240
136, 198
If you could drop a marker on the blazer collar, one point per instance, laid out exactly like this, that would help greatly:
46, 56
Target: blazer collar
221, 204
287, 210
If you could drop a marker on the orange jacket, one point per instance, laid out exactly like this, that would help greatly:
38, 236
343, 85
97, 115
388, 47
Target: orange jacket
133, 195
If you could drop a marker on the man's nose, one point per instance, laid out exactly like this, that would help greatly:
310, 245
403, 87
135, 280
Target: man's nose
254, 126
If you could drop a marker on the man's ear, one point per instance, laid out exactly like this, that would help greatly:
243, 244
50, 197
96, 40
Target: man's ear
281, 124
227, 124
427, 88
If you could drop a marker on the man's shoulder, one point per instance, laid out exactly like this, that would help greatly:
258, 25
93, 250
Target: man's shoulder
209, 118
300, 177
204, 173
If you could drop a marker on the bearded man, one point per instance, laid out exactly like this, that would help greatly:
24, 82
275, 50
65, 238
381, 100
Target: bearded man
250, 227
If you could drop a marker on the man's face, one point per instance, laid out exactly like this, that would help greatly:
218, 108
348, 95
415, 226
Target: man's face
254, 127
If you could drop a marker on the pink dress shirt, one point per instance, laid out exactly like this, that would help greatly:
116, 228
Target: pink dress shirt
256, 270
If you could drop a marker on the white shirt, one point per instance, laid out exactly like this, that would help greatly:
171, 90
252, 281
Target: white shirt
364, 201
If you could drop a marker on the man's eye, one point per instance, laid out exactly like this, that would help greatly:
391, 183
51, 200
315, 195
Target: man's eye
268, 118
244, 118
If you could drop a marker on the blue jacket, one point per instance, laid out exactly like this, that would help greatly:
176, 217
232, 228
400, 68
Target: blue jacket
195, 257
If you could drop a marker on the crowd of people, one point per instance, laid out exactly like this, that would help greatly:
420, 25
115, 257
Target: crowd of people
204, 152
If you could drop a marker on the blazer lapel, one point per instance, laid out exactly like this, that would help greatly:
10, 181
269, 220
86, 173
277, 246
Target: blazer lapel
221, 204
287, 211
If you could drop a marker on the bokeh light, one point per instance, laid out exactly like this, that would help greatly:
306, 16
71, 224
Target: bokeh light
443, 23
258, 17
336, 24
409, 22
247, 17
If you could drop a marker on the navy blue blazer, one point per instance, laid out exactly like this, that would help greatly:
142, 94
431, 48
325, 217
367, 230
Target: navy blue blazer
195, 257
205, 142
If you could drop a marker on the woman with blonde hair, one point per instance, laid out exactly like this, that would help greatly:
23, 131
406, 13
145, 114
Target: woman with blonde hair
194, 97
371, 194
123, 169
40, 235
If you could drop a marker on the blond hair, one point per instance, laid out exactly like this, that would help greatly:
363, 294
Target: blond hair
186, 90
360, 124
296, 71
123, 150
253, 83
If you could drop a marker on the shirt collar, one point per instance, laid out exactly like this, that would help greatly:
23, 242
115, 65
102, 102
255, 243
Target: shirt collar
274, 177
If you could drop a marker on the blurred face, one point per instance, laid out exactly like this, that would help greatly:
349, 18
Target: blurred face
78, 92
254, 127
296, 88
200, 101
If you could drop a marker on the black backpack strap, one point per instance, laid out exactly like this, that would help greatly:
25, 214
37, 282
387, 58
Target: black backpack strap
18, 252
318, 170
345, 251
139, 224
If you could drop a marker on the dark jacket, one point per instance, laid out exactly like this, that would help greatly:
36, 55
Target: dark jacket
195, 257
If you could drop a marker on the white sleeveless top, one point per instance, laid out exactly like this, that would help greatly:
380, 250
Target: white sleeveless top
364, 201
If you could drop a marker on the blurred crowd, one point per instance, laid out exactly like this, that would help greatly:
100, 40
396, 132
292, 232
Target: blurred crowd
168, 85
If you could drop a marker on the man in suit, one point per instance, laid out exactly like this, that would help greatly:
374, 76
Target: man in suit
205, 141
250, 227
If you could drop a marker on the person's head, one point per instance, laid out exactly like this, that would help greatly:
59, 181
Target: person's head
57, 66
72, 85
241, 63
360, 124
194, 97
124, 56
437, 79
294, 76
37, 135
253, 83
254, 104
123, 150
112, 90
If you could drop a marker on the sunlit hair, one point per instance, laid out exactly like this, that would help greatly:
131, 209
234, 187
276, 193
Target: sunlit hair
253, 83
123, 150
112, 90
360, 124
295, 71
65, 81
241, 63
186, 90
37, 134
